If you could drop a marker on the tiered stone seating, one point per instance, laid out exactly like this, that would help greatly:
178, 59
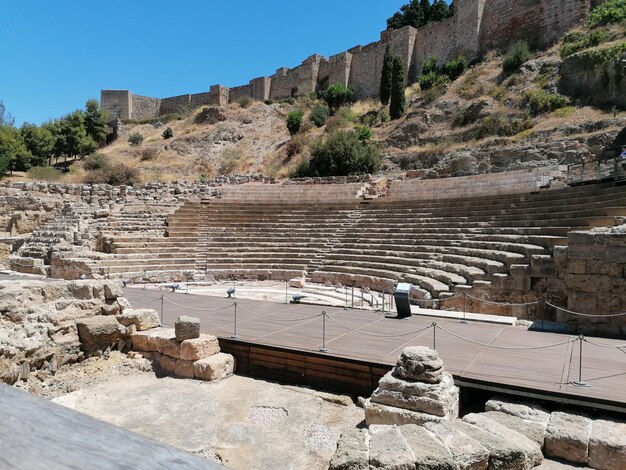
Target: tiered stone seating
257, 192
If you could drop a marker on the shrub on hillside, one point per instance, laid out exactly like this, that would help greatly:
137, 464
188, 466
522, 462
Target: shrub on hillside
135, 139
44, 173
96, 161
116, 175
294, 121
515, 56
433, 75
364, 133
148, 154
540, 101
500, 125
340, 154
168, 133
578, 41
454, 68
319, 115
610, 12
336, 96
245, 102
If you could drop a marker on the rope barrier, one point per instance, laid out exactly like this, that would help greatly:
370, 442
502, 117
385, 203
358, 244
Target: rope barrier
266, 317
572, 340
616, 346
440, 300
197, 309
375, 335
613, 315
492, 302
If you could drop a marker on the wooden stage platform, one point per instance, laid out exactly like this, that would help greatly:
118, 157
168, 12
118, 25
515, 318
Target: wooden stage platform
281, 342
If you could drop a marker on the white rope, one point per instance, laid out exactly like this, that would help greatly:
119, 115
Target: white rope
587, 314
503, 303
572, 340
375, 335
607, 346
197, 309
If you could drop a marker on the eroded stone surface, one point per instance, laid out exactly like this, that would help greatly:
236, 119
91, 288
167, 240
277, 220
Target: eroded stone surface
467, 452
428, 451
607, 445
352, 451
216, 367
419, 363
187, 328
199, 348
375, 413
533, 430
389, 450
567, 437
143, 318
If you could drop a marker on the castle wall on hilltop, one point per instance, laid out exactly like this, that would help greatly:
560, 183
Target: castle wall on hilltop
476, 27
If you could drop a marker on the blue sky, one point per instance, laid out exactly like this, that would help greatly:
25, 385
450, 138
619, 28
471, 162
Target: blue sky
55, 55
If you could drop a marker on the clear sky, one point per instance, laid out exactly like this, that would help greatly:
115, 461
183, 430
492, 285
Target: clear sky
55, 55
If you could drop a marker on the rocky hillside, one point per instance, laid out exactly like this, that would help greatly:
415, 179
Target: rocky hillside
563, 105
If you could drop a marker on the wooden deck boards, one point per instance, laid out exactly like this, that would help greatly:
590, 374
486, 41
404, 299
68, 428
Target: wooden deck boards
369, 336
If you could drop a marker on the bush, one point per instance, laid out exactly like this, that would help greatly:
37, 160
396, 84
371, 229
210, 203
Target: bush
148, 154
96, 161
135, 139
540, 101
115, 175
375, 118
296, 145
578, 41
168, 133
500, 125
515, 56
610, 12
319, 115
44, 173
294, 121
340, 154
245, 102
336, 96
231, 160
162, 119
433, 75
364, 133
454, 68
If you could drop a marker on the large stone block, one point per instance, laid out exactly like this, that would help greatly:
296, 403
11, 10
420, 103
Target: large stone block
389, 449
607, 445
141, 341
533, 430
376, 413
187, 328
527, 411
466, 451
164, 342
352, 451
428, 451
143, 318
184, 369
567, 437
436, 399
199, 348
216, 367
112, 290
98, 333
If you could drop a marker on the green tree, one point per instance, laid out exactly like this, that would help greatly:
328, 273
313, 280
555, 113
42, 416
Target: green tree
425, 7
342, 153
13, 152
397, 105
72, 140
95, 122
336, 96
135, 139
40, 143
5, 118
417, 13
385, 77
438, 11
294, 121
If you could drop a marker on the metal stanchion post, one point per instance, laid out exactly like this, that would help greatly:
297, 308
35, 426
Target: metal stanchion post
542, 309
346, 289
286, 292
464, 320
384, 294
323, 348
580, 382
235, 335
434, 335
352, 301
162, 301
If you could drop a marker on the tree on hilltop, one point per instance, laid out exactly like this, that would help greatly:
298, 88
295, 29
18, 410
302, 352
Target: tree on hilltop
39, 142
397, 106
5, 118
386, 76
13, 152
417, 13
95, 121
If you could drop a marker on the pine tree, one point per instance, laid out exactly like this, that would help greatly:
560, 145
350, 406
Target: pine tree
425, 7
95, 121
385, 78
397, 106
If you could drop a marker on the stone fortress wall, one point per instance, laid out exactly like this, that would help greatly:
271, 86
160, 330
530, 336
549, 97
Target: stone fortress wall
476, 27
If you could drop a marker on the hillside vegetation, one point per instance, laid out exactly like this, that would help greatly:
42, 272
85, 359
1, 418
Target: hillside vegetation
511, 110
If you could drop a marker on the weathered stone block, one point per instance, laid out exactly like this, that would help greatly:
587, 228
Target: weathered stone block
124, 304
389, 449
352, 451
184, 368
533, 430
199, 348
141, 341
607, 445
376, 413
567, 437
98, 333
143, 319
112, 290
419, 363
466, 451
216, 367
187, 328
428, 451
164, 342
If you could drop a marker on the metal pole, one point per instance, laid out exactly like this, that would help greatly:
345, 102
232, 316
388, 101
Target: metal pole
580, 382
162, 301
346, 289
464, 307
384, 294
352, 301
434, 335
286, 291
323, 348
543, 313
235, 335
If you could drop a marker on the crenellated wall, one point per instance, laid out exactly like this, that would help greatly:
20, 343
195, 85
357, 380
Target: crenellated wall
476, 27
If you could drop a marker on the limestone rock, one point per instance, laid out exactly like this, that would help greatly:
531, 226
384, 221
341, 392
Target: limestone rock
112, 309
184, 369
141, 341
533, 430
112, 290
607, 445
199, 348
216, 367
187, 328
297, 282
164, 342
419, 363
98, 333
81, 289
429, 452
467, 452
528, 411
375, 413
436, 399
567, 437
124, 304
142, 318
389, 449
352, 451
508, 449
